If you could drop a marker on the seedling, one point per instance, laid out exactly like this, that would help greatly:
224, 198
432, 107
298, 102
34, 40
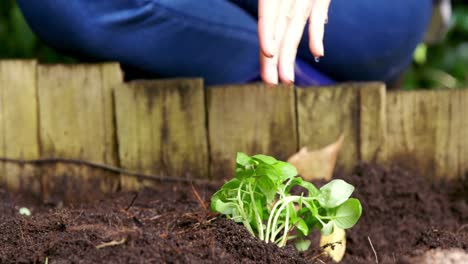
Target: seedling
259, 197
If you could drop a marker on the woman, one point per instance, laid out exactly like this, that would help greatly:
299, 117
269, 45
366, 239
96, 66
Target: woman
220, 40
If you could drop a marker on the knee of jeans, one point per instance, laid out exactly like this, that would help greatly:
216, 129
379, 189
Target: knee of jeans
369, 40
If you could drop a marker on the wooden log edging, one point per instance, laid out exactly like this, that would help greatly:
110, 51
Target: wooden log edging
19, 123
179, 128
161, 129
252, 119
76, 118
428, 131
356, 110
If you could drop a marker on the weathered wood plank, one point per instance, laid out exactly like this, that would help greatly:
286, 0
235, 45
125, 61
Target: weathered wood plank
253, 119
324, 113
356, 110
372, 115
460, 109
112, 77
77, 122
18, 123
161, 127
427, 131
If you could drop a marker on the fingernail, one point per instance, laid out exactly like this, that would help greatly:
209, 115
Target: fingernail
268, 50
268, 54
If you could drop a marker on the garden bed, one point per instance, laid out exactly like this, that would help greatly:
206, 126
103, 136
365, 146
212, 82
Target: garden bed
404, 215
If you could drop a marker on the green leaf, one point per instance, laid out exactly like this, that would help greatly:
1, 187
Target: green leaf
214, 198
267, 187
242, 159
287, 170
265, 159
232, 184
242, 173
327, 229
311, 221
301, 225
223, 194
348, 213
334, 193
260, 207
293, 218
302, 244
298, 181
228, 208
270, 171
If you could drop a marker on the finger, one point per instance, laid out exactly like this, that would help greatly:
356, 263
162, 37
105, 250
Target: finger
284, 17
317, 21
269, 69
267, 12
269, 65
301, 12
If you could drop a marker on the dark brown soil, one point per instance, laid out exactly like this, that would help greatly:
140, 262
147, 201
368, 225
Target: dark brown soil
403, 215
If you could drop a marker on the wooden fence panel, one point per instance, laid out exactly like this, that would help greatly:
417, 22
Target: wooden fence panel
427, 131
324, 114
356, 110
161, 129
252, 119
460, 124
18, 124
167, 129
77, 122
373, 118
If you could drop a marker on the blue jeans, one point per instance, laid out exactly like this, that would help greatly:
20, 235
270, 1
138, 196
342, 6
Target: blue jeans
217, 39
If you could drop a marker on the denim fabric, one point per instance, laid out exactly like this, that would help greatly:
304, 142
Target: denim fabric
217, 39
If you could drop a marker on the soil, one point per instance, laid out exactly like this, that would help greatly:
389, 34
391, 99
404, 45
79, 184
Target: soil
403, 217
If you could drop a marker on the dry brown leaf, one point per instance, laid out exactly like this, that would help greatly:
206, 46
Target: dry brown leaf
317, 164
334, 244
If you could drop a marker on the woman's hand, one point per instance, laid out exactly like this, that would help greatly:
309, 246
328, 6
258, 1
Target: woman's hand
280, 27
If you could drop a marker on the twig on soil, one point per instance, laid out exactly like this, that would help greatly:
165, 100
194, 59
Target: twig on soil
317, 257
321, 261
373, 249
212, 219
132, 202
155, 217
21, 232
77, 217
200, 201
461, 228
111, 243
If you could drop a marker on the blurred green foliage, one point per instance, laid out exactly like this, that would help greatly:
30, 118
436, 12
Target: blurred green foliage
444, 65
18, 41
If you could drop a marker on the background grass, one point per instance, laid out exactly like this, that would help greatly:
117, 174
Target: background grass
444, 65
